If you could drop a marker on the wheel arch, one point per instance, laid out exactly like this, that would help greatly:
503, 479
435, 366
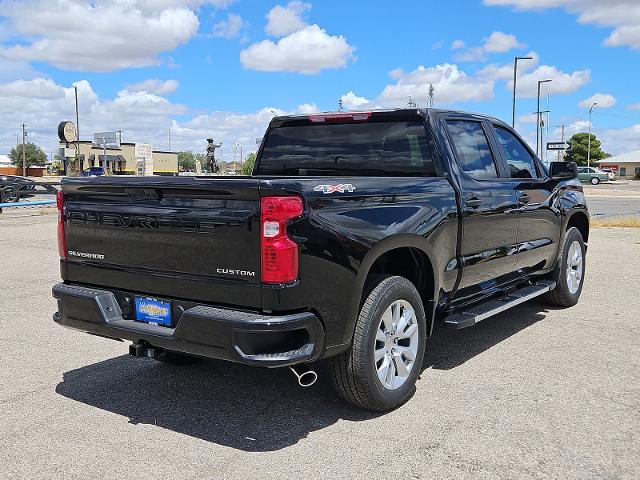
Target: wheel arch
580, 220
409, 256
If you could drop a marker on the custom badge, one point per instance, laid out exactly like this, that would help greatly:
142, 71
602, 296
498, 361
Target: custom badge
340, 188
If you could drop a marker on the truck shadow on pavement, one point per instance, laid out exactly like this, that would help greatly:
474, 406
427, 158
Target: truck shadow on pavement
255, 409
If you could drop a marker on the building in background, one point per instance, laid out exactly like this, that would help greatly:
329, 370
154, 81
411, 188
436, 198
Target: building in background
626, 165
117, 161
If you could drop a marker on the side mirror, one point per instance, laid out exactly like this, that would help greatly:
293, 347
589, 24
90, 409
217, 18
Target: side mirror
563, 170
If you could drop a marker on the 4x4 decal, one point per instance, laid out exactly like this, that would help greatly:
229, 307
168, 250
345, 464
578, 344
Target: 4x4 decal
340, 188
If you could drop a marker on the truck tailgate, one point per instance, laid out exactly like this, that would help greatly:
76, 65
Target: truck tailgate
183, 237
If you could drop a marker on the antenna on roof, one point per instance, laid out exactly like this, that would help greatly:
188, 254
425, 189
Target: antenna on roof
411, 103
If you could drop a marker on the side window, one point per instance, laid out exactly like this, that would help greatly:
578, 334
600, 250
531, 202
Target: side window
472, 149
520, 162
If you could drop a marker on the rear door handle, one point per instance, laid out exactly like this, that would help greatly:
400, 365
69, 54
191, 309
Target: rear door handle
473, 202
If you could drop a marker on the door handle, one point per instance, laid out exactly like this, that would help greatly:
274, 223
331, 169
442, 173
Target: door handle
473, 202
524, 199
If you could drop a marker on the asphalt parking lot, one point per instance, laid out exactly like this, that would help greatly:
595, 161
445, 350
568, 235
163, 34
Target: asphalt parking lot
531, 393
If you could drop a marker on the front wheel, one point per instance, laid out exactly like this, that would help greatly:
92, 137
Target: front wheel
595, 181
569, 273
380, 369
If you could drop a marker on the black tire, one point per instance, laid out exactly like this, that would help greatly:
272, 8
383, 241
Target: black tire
562, 296
354, 373
176, 358
595, 181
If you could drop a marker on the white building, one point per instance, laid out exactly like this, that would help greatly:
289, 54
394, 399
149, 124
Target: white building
626, 165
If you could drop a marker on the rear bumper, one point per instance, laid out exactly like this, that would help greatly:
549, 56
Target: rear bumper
202, 330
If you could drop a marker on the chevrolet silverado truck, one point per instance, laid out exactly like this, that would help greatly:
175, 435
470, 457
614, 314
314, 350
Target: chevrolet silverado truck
356, 233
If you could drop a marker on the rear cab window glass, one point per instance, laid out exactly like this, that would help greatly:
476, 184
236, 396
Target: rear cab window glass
472, 149
519, 161
348, 149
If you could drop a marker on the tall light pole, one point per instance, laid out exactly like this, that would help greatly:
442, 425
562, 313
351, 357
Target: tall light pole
515, 79
540, 82
589, 141
24, 157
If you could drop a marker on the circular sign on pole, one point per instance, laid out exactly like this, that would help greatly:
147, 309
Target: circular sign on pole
67, 132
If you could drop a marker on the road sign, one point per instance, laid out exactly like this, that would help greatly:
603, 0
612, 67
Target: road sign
106, 140
558, 146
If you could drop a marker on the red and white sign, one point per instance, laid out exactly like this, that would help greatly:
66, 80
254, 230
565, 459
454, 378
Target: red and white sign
612, 167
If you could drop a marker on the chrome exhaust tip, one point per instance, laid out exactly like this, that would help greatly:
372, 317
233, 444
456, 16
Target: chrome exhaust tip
305, 378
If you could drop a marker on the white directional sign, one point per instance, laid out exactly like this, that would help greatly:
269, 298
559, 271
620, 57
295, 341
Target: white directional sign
558, 145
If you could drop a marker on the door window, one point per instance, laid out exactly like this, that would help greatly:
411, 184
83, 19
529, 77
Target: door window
520, 161
472, 149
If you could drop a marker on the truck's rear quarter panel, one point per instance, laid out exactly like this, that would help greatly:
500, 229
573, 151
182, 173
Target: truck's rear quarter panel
341, 234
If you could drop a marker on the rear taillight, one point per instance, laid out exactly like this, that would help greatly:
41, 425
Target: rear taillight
279, 252
62, 243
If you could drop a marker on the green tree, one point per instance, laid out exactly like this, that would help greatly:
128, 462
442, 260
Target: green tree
580, 147
33, 155
186, 161
249, 162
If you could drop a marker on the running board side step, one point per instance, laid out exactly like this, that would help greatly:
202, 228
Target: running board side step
477, 313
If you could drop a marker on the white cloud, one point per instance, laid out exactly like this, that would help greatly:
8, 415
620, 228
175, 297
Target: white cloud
351, 101
307, 51
604, 100
563, 83
634, 106
98, 36
451, 84
282, 21
619, 140
307, 108
622, 15
458, 44
497, 42
229, 28
154, 86
501, 42
144, 117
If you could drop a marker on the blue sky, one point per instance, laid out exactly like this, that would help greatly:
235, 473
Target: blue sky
219, 67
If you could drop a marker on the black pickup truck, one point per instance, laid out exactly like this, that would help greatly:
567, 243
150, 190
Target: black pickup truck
356, 233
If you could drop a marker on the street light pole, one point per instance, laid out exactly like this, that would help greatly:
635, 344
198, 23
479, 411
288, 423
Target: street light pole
589, 141
24, 161
515, 79
540, 82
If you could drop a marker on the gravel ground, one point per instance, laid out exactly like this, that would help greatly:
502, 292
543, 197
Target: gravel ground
531, 393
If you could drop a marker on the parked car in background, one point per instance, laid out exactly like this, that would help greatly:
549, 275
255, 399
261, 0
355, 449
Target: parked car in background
592, 175
16, 187
92, 172
610, 173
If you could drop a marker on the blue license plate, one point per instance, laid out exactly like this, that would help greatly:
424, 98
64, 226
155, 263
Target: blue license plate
153, 311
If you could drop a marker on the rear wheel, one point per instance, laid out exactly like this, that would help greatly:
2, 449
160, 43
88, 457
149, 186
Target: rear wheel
569, 273
595, 181
380, 369
175, 358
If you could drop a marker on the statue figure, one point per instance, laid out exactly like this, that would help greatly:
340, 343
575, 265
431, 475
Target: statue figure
212, 166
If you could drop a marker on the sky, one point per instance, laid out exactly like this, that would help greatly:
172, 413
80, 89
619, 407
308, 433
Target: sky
181, 71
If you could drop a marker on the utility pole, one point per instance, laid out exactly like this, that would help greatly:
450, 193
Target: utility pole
432, 91
515, 79
340, 105
589, 147
120, 132
24, 156
411, 103
562, 136
540, 82
169, 139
